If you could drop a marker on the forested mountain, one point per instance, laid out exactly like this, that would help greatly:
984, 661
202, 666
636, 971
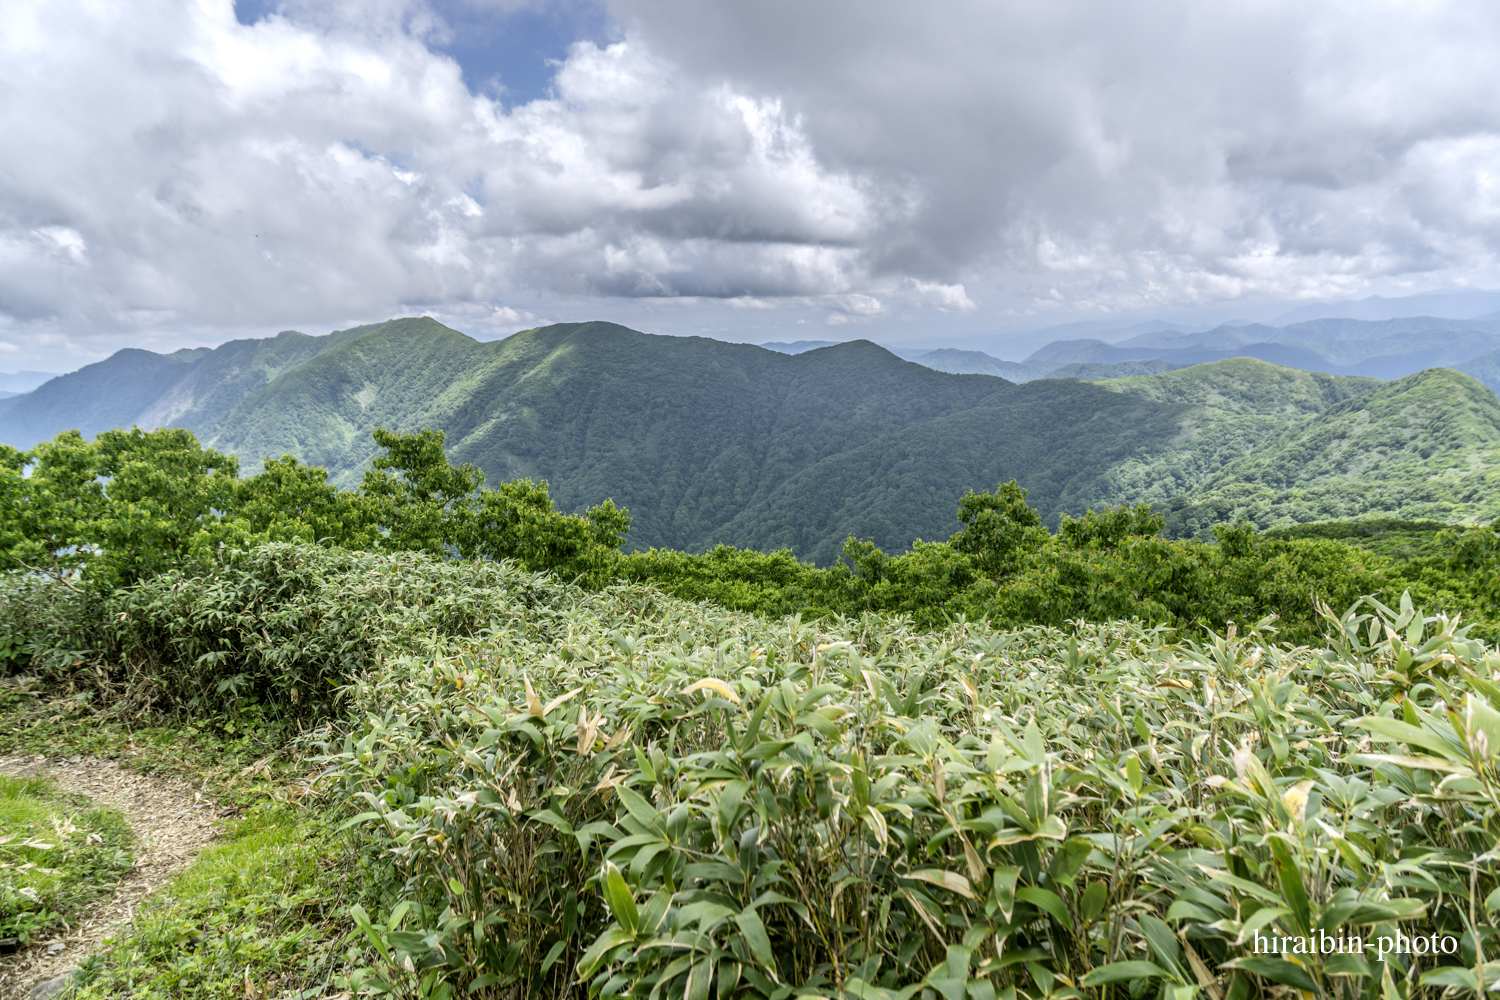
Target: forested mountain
188, 388
708, 442
1425, 446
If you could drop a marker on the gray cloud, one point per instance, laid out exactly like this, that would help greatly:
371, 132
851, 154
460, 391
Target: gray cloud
170, 173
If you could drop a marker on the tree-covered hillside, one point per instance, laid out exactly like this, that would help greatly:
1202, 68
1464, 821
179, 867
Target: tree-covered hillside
1426, 446
687, 432
708, 443
189, 388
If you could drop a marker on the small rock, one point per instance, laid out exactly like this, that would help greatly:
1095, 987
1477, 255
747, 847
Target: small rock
9, 944
53, 987
55, 947
76, 759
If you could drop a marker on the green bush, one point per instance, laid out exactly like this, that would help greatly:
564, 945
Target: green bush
281, 628
128, 506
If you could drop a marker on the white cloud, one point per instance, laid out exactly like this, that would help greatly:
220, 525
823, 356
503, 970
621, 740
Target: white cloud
167, 168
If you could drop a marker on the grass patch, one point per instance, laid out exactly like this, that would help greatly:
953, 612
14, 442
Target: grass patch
58, 854
266, 906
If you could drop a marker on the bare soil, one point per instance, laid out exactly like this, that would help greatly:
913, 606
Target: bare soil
172, 822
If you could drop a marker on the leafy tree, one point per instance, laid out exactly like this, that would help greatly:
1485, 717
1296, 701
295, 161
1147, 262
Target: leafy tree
163, 490
118, 509
50, 497
1111, 526
422, 502
288, 502
999, 528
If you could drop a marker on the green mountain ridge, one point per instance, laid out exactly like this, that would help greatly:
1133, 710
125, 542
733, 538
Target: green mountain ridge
707, 442
1423, 447
188, 388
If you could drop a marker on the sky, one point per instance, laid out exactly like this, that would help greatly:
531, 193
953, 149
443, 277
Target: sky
183, 172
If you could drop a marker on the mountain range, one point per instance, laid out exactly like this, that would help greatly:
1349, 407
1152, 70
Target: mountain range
709, 442
1388, 348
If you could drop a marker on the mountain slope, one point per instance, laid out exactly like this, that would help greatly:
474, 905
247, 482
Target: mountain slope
1059, 438
1425, 446
1096, 370
686, 432
189, 388
709, 442
111, 393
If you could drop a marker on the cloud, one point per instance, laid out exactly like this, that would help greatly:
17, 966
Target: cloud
1136, 152
168, 169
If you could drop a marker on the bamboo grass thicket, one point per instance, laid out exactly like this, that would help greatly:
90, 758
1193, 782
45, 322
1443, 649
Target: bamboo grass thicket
645, 797
615, 792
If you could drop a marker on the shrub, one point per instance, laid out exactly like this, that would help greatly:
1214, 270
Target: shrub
284, 626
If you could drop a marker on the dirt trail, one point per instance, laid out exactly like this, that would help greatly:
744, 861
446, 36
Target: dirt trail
172, 823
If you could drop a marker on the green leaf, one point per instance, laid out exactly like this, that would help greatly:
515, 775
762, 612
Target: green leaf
1116, 972
552, 953
1411, 735
1092, 903
602, 946
1164, 945
1004, 889
1278, 970
1451, 975
1291, 885
552, 819
754, 930
621, 902
362, 919
1046, 899
1347, 965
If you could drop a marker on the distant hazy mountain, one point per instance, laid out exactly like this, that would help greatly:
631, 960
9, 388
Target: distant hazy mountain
708, 442
188, 388
23, 381
1460, 304
1111, 330
947, 359
1381, 349
798, 346
979, 363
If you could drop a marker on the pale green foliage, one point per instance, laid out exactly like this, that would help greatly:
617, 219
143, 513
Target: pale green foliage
636, 796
